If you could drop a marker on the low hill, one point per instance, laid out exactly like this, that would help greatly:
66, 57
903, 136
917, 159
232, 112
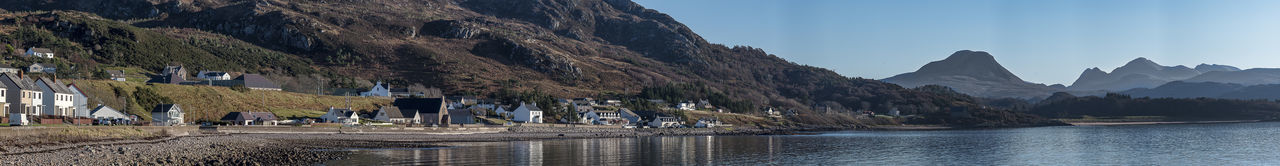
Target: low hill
975, 73
211, 103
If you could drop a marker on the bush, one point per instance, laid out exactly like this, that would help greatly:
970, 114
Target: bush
240, 88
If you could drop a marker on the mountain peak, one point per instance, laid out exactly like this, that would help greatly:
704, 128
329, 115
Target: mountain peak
977, 64
1205, 68
1142, 61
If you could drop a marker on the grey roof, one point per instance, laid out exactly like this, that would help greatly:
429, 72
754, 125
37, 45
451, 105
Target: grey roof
164, 107
245, 116
628, 112
45, 65
214, 73
421, 105
56, 86
115, 72
532, 107
22, 82
257, 81
394, 112
349, 114
41, 50
5, 66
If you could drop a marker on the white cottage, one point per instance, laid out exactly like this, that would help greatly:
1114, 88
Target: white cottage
104, 115
38, 52
378, 89
58, 100
341, 115
167, 115
527, 113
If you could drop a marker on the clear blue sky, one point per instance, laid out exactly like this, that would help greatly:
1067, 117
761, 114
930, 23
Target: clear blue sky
1042, 41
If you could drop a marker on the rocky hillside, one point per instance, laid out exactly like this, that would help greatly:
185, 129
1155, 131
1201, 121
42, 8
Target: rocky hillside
565, 48
975, 73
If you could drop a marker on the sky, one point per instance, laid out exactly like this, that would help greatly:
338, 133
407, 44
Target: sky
1042, 41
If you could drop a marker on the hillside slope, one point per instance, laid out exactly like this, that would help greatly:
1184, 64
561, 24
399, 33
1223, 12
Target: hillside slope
566, 48
211, 103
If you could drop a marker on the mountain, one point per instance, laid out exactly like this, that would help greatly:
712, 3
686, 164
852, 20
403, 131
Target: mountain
975, 73
1180, 89
1205, 68
1138, 73
497, 48
1255, 76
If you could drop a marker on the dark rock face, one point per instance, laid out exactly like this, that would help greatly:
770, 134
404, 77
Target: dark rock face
975, 73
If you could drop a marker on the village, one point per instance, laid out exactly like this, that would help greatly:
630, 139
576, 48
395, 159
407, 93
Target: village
34, 97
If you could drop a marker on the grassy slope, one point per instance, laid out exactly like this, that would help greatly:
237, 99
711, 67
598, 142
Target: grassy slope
211, 103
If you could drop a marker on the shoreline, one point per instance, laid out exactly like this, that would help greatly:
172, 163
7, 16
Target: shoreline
213, 148
1158, 122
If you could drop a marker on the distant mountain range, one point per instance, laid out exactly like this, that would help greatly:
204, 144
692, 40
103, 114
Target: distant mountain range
1180, 89
977, 73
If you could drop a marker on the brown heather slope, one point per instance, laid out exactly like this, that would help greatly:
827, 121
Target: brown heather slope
567, 48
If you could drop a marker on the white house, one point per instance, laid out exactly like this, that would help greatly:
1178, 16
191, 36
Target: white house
42, 68
213, 75
58, 100
341, 115
5, 68
707, 123
664, 121
378, 90
527, 113
394, 115
167, 115
602, 117
104, 115
38, 52
79, 101
687, 106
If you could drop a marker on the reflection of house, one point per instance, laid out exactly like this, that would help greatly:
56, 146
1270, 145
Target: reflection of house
104, 115
527, 113
38, 52
250, 118
167, 115
432, 111
341, 115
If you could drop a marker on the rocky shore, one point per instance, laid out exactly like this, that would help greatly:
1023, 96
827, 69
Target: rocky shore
303, 149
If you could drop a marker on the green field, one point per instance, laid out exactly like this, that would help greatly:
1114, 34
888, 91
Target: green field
201, 102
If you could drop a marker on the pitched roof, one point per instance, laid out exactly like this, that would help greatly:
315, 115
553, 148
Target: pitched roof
164, 107
5, 66
628, 112
45, 65
234, 116
257, 81
214, 73
422, 105
460, 112
56, 86
394, 112
41, 50
115, 72
532, 107
22, 82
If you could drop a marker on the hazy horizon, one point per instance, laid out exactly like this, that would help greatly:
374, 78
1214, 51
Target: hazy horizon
1048, 42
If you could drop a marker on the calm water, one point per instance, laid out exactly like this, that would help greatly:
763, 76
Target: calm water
1184, 144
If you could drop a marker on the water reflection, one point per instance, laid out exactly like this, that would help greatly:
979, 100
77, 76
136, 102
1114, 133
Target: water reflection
1205, 144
